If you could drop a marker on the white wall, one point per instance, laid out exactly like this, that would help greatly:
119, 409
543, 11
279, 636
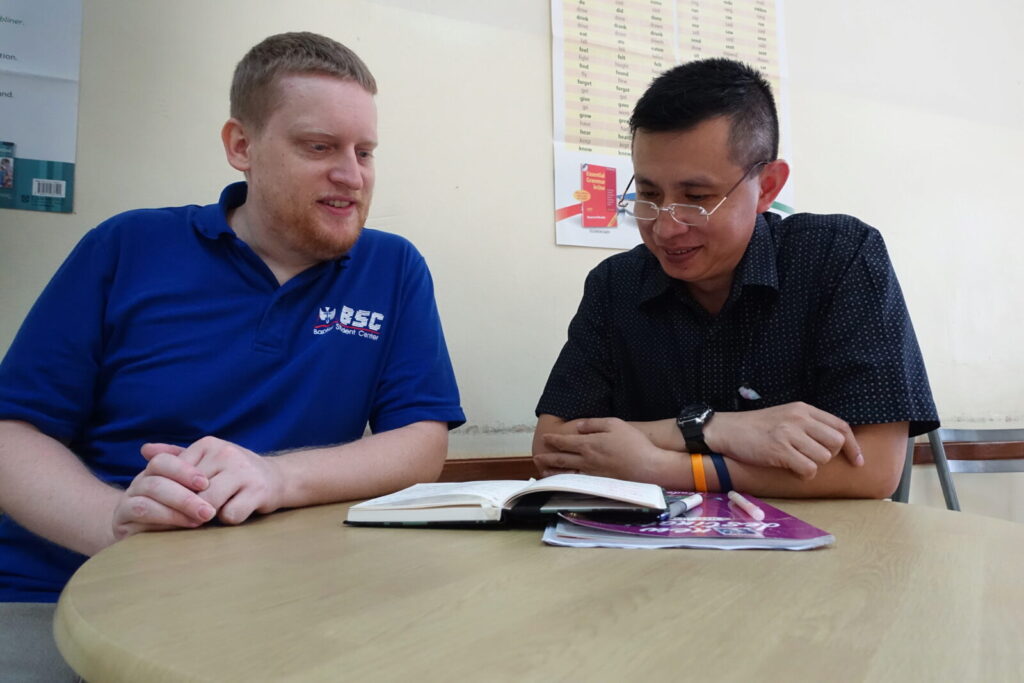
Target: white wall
910, 115
999, 495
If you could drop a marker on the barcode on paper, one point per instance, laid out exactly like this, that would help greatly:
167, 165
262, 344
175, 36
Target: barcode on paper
48, 188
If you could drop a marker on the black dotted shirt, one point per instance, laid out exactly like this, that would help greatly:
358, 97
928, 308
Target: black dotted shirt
815, 314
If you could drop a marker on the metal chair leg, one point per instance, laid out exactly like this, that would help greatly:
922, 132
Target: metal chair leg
902, 493
942, 467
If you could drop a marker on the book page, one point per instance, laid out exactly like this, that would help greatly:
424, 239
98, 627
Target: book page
647, 495
479, 493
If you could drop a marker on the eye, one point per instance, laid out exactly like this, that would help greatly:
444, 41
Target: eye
697, 198
647, 196
318, 147
365, 153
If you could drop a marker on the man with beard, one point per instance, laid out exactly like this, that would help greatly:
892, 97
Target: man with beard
177, 349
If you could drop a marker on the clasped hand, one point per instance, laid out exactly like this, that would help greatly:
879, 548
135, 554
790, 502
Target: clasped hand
187, 487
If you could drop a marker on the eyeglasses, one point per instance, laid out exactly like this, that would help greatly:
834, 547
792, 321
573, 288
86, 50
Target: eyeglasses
687, 214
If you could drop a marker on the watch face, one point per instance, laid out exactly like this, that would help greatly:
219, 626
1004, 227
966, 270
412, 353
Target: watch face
691, 423
695, 414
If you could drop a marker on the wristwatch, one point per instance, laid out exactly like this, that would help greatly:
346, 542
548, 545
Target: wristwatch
691, 421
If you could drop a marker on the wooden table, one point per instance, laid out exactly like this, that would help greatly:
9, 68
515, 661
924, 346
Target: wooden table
907, 593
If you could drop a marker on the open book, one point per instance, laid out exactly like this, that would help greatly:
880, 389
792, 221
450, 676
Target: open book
496, 501
717, 523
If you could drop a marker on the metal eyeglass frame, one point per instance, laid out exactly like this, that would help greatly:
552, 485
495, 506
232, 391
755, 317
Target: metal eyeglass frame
671, 208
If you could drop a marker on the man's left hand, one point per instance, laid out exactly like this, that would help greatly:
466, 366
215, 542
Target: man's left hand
241, 482
606, 447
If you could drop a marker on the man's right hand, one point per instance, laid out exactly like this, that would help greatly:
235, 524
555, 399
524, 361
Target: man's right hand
793, 436
165, 495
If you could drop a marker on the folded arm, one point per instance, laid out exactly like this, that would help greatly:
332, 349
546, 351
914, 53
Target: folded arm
883, 448
655, 452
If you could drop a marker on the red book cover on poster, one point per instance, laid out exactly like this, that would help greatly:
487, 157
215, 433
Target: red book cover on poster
599, 207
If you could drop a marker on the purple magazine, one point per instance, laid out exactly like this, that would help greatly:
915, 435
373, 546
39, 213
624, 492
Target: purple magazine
717, 523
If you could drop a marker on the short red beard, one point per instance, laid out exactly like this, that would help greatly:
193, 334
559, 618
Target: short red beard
306, 236
295, 226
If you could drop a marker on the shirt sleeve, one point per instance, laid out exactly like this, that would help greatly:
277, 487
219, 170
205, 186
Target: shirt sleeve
49, 375
581, 382
418, 382
867, 362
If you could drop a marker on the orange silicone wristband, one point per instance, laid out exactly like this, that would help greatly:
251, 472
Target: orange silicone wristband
700, 482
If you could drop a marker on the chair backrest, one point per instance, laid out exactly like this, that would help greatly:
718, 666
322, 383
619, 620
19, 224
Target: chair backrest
480, 469
1008, 456
970, 450
981, 435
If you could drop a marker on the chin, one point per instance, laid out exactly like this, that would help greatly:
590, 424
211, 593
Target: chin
329, 247
322, 240
673, 271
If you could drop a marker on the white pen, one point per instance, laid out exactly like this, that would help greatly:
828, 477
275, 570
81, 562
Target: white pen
743, 504
681, 506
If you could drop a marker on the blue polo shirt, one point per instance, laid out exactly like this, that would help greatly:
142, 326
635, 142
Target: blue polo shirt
163, 326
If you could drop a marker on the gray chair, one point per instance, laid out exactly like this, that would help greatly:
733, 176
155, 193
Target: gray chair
1008, 444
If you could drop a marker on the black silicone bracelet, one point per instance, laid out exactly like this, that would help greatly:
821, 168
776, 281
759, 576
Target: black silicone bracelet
724, 480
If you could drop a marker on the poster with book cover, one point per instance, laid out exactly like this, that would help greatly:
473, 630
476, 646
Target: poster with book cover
717, 523
40, 46
599, 202
605, 53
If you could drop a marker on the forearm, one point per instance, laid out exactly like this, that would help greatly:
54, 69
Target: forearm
608, 447
836, 479
47, 489
663, 434
371, 466
548, 424
883, 446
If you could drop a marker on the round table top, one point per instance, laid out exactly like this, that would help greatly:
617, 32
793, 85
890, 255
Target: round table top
906, 593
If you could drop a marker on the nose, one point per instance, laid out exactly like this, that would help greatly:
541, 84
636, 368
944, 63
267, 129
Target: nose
666, 227
346, 170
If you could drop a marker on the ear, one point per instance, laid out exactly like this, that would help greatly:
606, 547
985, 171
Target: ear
237, 144
772, 178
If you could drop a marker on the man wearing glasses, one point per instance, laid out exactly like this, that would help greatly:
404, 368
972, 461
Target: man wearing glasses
734, 348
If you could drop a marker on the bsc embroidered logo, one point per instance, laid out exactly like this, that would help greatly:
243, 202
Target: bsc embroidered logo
352, 321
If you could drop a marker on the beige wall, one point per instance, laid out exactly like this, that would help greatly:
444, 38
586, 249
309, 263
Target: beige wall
909, 114
999, 495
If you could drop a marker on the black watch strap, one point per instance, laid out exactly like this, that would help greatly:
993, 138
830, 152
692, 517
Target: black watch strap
691, 421
697, 445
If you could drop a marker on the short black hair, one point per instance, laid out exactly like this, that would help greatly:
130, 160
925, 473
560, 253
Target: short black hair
692, 93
